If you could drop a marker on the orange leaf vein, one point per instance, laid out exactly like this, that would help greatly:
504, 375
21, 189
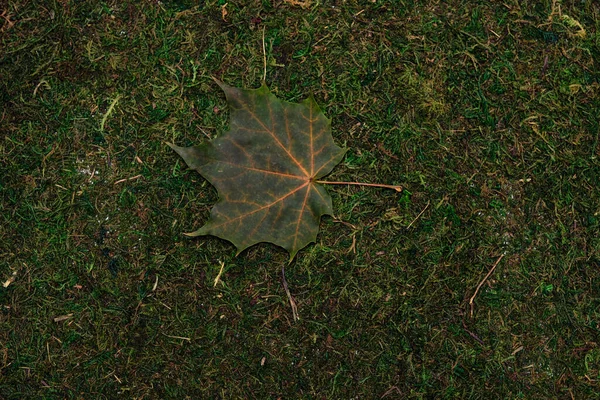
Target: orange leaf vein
301, 215
266, 206
272, 134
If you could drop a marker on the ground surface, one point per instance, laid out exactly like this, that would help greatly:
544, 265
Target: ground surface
488, 115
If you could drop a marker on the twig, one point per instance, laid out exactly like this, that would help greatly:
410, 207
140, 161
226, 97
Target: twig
178, 337
352, 248
418, 216
289, 295
397, 188
92, 174
390, 391
9, 22
483, 281
219, 274
474, 336
127, 179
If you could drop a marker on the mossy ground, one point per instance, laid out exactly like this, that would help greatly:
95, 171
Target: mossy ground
487, 113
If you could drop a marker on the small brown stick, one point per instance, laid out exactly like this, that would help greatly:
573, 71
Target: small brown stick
397, 188
483, 281
352, 248
219, 274
128, 179
545, 66
418, 216
10, 23
390, 391
178, 337
289, 295
474, 336
92, 174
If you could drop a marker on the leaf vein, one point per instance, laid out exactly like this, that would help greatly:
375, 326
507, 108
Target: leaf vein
302, 209
272, 134
282, 198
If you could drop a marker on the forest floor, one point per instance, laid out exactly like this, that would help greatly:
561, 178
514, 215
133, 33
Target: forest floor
480, 280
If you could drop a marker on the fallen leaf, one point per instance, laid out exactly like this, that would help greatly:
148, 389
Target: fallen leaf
265, 170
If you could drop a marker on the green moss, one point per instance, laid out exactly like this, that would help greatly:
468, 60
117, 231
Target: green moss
487, 115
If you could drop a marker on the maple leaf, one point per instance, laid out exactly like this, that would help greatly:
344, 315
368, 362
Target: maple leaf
265, 170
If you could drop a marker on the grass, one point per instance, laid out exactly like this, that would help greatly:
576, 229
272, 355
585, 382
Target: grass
487, 114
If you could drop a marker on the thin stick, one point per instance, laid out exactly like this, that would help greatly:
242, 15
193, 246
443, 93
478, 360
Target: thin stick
474, 336
126, 179
178, 337
289, 295
483, 281
397, 188
264, 57
219, 274
418, 216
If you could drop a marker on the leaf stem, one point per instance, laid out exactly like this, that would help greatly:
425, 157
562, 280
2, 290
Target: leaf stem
397, 188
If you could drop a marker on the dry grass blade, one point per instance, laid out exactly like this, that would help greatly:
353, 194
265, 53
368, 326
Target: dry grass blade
490, 272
